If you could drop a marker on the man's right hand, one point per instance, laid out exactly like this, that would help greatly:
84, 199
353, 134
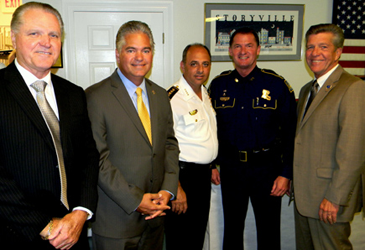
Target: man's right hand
180, 205
150, 207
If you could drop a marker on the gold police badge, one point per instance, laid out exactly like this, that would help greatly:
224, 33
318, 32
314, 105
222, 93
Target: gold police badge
265, 94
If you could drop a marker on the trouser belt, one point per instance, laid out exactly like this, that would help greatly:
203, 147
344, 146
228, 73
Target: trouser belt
184, 164
245, 156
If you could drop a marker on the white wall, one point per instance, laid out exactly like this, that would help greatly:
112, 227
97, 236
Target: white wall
188, 19
189, 13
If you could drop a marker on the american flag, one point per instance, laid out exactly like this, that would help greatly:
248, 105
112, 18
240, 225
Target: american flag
350, 16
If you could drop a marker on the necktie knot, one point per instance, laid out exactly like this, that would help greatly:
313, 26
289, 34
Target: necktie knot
139, 92
315, 86
39, 86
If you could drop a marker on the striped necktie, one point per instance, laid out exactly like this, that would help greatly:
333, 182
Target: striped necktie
54, 127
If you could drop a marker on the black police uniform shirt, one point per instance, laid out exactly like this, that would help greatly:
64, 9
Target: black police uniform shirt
255, 112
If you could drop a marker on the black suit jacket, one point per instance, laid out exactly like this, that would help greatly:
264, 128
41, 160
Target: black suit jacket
29, 179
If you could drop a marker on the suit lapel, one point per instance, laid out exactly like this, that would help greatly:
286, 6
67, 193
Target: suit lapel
302, 102
121, 93
327, 87
20, 92
63, 105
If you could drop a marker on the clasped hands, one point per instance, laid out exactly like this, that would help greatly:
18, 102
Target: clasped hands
154, 205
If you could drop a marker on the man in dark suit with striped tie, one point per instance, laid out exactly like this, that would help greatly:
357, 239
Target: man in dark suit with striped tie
48, 158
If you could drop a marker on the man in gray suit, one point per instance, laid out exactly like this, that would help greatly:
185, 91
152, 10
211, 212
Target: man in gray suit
139, 156
329, 145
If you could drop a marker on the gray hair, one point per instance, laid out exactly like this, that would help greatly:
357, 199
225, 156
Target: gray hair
337, 32
133, 27
17, 19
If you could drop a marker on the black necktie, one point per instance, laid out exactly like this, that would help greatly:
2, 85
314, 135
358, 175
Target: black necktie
312, 95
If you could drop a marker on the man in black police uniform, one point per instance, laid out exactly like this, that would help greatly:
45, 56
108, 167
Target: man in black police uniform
256, 116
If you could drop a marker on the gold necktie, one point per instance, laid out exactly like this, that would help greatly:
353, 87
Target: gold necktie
143, 114
54, 127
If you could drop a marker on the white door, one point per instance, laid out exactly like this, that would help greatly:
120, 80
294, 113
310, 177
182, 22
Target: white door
91, 42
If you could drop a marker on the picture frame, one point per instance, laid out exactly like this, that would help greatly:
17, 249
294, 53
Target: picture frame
59, 62
279, 26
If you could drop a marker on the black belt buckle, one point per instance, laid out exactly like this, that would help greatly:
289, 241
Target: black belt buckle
243, 156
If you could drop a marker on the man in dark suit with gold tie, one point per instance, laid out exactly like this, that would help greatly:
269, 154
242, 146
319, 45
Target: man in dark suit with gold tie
49, 162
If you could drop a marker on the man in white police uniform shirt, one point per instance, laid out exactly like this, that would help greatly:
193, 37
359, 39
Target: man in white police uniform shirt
196, 131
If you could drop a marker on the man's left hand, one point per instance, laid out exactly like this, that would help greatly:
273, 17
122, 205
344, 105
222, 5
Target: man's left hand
328, 211
280, 187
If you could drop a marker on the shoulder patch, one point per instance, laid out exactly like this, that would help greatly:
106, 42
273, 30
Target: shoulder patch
224, 73
172, 91
271, 72
288, 85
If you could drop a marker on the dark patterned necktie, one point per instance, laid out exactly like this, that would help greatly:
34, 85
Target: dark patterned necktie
313, 93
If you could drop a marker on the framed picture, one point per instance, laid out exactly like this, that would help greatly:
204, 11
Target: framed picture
279, 27
59, 62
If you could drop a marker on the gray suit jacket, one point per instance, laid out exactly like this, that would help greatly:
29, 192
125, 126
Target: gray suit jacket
329, 155
129, 165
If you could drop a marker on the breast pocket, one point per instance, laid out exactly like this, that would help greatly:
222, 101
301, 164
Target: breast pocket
224, 103
260, 103
193, 121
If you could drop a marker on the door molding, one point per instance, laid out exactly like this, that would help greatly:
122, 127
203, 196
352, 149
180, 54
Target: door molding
71, 6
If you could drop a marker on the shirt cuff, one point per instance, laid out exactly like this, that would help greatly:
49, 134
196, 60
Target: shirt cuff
90, 214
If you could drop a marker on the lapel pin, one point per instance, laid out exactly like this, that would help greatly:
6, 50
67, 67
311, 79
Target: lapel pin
328, 88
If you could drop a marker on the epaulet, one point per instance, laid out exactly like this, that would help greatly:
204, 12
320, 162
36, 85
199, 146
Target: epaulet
172, 91
224, 73
271, 72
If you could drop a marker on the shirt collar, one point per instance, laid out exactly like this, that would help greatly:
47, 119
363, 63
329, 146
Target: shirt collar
187, 89
29, 78
130, 86
321, 80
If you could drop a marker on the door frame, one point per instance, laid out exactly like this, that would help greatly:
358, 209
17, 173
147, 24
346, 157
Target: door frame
71, 6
